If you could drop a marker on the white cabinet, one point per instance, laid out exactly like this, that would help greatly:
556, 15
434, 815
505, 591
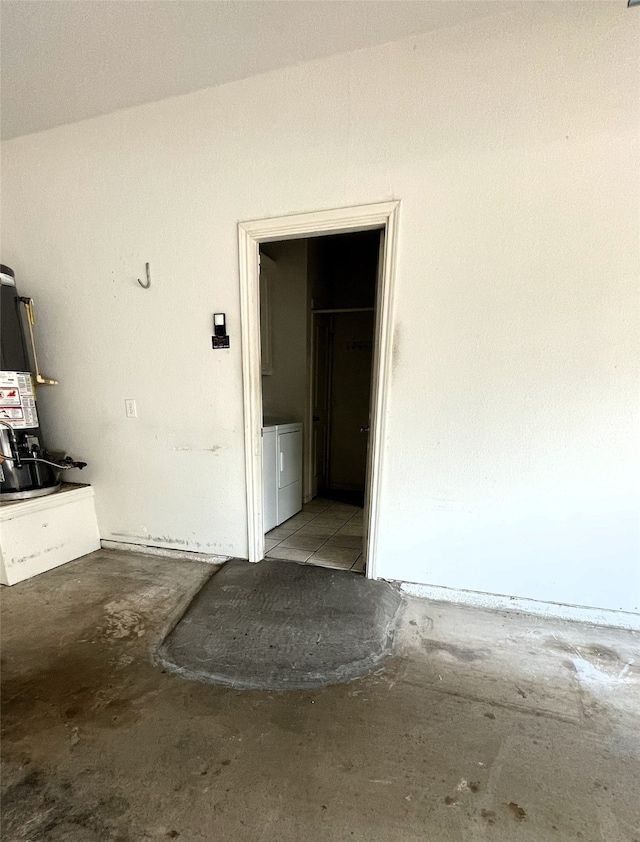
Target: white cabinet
282, 472
42, 533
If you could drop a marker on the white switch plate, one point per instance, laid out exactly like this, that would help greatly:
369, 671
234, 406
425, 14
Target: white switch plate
130, 408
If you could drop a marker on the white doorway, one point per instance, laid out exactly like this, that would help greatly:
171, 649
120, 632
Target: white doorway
384, 217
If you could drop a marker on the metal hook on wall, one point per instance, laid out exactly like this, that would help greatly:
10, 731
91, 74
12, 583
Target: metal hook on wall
148, 284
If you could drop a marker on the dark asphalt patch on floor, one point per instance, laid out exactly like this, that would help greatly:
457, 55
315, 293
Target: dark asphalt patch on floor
278, 625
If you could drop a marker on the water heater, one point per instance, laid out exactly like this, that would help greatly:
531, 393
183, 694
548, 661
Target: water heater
27, 469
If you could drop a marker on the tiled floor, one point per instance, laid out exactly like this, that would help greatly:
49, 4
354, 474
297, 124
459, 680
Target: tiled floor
324, 533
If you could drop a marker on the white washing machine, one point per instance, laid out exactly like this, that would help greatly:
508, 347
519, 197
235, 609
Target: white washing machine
282, 471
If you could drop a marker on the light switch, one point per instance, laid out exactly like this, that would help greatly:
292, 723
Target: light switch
130, 408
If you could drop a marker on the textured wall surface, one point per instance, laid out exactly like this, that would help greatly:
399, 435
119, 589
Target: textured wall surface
511, 464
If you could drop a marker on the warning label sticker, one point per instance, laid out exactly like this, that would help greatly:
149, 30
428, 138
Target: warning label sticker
9, 397
25, 383
8, 379
17, 399
10, 413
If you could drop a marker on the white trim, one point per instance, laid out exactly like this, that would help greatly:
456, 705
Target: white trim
317, 223
250, 235
380, 378
148, 549
251, 386
551, 610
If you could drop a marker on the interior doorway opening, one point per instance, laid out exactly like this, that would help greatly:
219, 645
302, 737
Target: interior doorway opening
257, 349
317, 320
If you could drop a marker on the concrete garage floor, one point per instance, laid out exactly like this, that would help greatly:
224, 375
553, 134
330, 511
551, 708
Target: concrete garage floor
481, 726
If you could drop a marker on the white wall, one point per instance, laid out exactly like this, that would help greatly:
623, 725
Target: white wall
511, 464
284, 392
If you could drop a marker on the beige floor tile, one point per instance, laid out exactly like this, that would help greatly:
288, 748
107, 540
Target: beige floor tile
345, 509
334, 511
339, 555
280, 532
315, 507
298, 520
333, 565
270, 543
351, 529
289, 553
336, 521
351, 541
304, 542
319, 530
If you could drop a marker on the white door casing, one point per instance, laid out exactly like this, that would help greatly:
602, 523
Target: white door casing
337, 221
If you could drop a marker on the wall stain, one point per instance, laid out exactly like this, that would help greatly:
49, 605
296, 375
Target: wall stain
187, 449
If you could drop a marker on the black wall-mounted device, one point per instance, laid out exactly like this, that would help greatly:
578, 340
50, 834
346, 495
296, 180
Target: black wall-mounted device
220, 338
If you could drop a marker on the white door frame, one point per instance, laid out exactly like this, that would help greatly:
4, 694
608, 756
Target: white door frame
250, 236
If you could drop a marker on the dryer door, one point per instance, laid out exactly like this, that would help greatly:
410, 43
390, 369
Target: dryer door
289, 458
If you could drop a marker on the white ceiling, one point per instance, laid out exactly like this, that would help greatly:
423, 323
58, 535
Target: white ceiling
65, 60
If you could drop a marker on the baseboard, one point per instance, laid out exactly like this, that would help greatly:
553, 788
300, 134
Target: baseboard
551, 610
203, 558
